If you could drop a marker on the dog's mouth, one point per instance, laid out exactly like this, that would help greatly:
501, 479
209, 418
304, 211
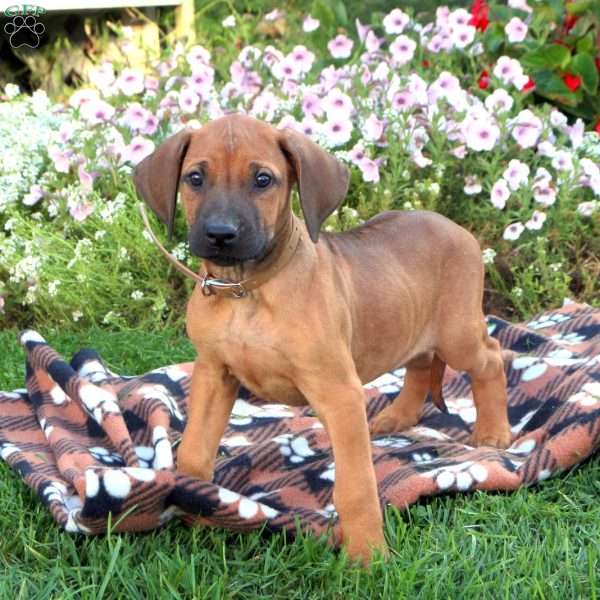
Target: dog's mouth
228, 260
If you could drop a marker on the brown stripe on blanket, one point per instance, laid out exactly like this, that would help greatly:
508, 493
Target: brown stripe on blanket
93, 444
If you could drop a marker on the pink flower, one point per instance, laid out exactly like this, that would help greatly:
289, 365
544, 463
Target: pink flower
544, 193
273, 15
81, 97
337, 104
499, 101
527, 129
131, 81
575, 133
151, 84
134, 116
311, 105
337, 131
520, 5
80, 210
499, 194
97, 111
303, 57
188, 100
513, 231
516, 174
563, 160
286, 69
357, 153
35, 194
480, 134
197, 56
546, 148
459, 18
372, 42
340, 46
369, 169
463, 35
362, 30
536, 221
402, 101
201, 80
150, 125
516, 30
373, 128
271, 55
85, 178
309, 24
395, 21
60, 158
402, 50
137, 150
420, 160
65, 132
508, 70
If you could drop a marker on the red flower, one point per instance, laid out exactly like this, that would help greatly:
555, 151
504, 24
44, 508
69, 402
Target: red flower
479, 15
597, 61
572, 81
425, 63
570, 20
530, 85
597, 126
484, 80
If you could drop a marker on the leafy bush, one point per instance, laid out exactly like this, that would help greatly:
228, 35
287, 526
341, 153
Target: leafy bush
400, 102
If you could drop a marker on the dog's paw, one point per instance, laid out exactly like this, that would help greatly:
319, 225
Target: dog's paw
498, 438
391, 420
365, 551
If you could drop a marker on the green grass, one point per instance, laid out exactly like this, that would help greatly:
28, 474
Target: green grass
535, 543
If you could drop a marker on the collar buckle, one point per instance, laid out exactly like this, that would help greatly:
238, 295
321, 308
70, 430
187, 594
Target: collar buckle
211, 286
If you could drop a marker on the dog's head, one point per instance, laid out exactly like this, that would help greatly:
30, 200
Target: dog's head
235, 175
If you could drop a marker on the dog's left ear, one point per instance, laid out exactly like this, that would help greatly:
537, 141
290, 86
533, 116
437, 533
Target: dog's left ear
156, 178
322, 179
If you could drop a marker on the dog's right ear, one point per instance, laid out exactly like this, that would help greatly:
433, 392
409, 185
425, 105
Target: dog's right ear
156, 178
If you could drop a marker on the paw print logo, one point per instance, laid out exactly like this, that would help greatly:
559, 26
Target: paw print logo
24, 31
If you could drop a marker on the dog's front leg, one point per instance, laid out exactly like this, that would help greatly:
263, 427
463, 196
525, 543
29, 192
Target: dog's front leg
212, 394
342, 409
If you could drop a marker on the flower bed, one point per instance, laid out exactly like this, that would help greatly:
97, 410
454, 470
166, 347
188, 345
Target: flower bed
403, 104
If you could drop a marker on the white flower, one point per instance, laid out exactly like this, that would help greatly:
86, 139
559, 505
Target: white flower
513, 231
500, 194
516, 30
509, 70
480, 134
536, 221
137, 295
337, 104
586, 209
337, 131
516, 174
228, 21
310, 24
463, 36
402, 50
472, 186
544, 193
11, 90
499, 101
395, 21
340, 46
488, 255
527, 129
546, 148
563, 160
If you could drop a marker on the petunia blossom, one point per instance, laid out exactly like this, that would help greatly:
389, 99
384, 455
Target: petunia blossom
527, 129
137, 150
310, 24
131, 82
516, 30
513, 231
537, 220
402, 50
500, 194
340, 46
396, 21
516, 174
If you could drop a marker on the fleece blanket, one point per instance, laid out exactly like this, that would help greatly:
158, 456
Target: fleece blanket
100, 448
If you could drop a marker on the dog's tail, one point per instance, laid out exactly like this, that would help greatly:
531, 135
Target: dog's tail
438, 366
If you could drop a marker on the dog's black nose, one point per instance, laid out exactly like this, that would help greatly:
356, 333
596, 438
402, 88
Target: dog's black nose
221, 234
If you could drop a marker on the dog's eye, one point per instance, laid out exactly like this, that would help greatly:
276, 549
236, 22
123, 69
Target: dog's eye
263, 180
195, 178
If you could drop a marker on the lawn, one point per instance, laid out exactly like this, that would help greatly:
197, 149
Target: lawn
535, 543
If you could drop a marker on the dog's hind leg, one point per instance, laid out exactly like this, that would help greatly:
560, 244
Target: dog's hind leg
405, 411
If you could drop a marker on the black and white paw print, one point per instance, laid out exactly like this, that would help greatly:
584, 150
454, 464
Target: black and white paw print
535, 366
24, 31
295, 448
548, 320
245, 413
106, 457
392, 441
461, 476
388, 383
247, 508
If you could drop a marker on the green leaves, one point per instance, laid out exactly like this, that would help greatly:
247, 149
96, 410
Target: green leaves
584, 66
548, 56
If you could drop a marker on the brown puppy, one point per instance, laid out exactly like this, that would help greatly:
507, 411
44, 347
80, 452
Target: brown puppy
320, 314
